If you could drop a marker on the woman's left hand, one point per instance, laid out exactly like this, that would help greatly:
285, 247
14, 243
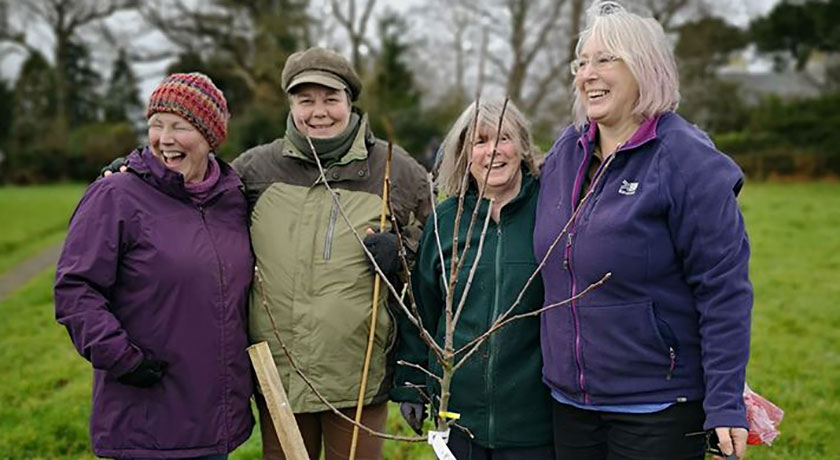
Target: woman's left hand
732, 440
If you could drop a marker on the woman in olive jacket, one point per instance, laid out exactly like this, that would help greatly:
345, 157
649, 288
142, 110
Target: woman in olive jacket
498, 392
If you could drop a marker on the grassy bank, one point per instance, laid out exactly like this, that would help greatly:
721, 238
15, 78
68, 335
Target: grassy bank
33, 218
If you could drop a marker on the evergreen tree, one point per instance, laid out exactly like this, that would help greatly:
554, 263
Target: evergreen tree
392, 94
83, 102
122, 97
35, 101
7, 111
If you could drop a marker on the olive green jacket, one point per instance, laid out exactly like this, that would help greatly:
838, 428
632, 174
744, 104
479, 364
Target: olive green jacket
313, 282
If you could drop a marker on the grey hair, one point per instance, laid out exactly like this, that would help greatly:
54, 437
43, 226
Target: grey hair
457, 144
640, 42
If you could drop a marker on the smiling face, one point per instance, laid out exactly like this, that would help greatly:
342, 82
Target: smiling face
319, 111
505, 173
180, 146
605, 85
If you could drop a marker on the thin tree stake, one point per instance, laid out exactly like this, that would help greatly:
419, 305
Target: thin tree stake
373, 312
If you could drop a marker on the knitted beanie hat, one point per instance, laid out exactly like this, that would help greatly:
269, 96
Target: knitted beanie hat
194, 97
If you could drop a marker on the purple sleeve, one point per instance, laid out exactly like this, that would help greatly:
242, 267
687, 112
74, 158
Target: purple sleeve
709, 234
85, 278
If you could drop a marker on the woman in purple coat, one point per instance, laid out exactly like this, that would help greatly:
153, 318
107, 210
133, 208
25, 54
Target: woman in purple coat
152, 287
660, 350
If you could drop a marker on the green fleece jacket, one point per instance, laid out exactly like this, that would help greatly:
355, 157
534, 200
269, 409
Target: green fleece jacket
313, 279
499, 392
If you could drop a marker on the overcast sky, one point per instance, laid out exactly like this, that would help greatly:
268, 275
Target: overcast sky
150, 74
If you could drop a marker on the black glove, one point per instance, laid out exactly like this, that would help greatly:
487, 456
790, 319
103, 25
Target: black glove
414, 414
114, 166
146, 374
385, 248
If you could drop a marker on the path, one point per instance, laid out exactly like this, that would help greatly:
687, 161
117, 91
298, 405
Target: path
18, 276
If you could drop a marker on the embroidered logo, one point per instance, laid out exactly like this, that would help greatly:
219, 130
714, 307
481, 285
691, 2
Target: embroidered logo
628, 188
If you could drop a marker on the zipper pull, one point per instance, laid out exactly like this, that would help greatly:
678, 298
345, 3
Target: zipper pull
673, 355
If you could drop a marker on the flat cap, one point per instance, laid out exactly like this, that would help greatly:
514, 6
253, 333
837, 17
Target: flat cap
323, 67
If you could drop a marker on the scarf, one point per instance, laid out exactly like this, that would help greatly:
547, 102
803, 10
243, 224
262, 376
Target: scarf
329, 150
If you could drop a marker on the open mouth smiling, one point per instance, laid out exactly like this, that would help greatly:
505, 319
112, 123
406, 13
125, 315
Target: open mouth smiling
596, 94
173, 157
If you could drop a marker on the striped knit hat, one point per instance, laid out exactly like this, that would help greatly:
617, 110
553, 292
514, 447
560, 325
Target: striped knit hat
194, 97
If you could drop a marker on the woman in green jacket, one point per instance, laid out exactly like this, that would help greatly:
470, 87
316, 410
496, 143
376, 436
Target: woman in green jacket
498, 393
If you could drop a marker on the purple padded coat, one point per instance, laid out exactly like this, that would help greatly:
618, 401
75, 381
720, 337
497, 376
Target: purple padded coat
145, 272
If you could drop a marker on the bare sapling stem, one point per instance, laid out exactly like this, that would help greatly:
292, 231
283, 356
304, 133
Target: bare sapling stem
308, 382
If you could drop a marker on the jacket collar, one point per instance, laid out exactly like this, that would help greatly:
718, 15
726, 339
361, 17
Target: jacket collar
529, 183
142, 163
645, 133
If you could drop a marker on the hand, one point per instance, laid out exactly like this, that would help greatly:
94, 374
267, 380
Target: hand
146, 374
732, 441
414, 414
385, 250
119, 164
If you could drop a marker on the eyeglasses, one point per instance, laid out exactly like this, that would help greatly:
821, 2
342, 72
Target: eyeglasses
600, 63
712, 444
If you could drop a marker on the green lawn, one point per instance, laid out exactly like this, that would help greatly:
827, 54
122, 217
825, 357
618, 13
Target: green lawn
33, 218
44, 395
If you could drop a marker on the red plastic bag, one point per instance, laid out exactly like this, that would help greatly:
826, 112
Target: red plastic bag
763, 417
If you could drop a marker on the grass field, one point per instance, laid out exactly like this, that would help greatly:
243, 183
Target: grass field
795, 362
33, 218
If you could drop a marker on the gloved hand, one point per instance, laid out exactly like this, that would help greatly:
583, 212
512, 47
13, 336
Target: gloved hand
414, 414
386, 251
120, 164
146, 374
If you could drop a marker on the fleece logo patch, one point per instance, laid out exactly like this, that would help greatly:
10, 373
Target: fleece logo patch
628, 188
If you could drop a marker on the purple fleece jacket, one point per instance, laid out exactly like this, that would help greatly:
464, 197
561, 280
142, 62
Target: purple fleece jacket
673, 322
145, 272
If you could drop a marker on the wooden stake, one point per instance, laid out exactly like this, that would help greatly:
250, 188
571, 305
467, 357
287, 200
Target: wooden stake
278, 404
373, 314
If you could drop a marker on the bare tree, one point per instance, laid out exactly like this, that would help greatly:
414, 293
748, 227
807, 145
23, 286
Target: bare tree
354, 18
253, 37
64, 19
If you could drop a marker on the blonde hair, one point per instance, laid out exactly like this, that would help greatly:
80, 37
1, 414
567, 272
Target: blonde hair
457, 144
642, 45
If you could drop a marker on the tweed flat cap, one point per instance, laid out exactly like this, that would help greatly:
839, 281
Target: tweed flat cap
323, 67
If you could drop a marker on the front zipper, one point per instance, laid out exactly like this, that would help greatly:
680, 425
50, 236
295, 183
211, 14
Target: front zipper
201, 211
490, 361
567, 264
331, 228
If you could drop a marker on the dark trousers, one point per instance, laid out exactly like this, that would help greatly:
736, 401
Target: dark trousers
465, 449
581, 434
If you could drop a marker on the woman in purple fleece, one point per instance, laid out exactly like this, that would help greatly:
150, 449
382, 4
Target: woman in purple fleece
152, 287
658, 352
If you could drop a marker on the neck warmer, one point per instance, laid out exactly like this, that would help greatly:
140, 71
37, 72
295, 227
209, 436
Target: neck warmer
199, 191
329, 150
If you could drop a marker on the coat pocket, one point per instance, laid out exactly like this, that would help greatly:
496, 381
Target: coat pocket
623, 349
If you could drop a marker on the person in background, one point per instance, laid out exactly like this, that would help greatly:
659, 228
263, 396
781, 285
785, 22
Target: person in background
660, 350
152, 286
498, 392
